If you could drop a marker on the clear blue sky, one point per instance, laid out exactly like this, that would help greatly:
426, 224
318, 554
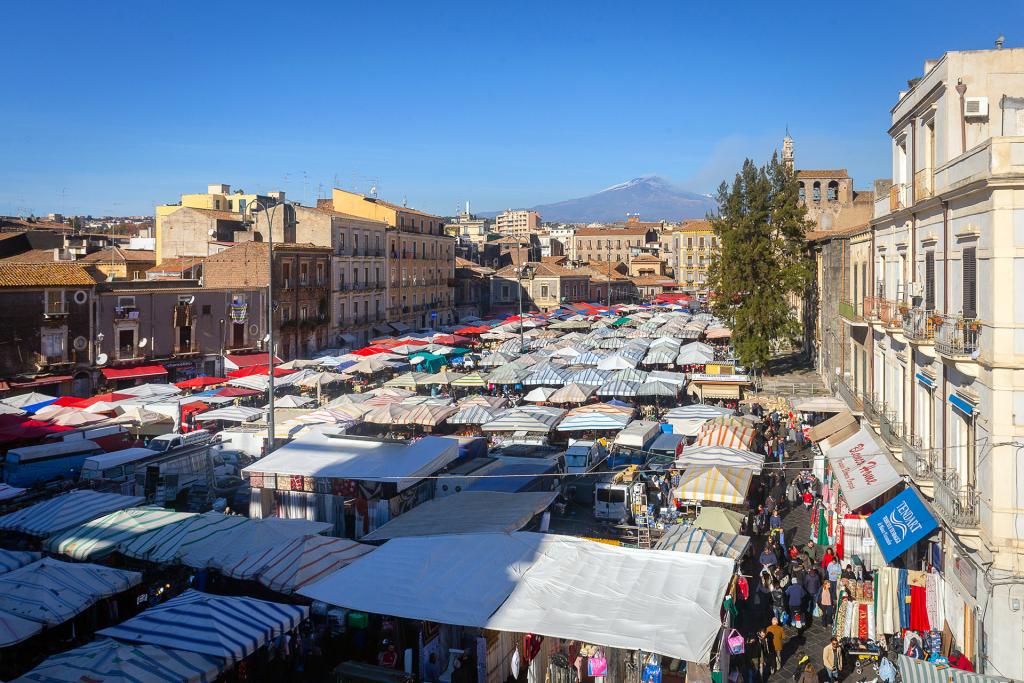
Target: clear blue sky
118, 106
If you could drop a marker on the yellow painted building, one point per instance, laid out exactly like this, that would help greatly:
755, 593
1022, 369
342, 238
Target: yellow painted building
218, 197
691, 245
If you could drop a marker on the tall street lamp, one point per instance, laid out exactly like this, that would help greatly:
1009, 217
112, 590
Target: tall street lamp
524, 269
269, 211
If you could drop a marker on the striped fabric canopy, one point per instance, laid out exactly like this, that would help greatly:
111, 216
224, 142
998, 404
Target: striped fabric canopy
698, 410
473, 415
166, 544
720, 455
591, 376
231, 414
921, 671
715, 483
715, 433
473, 379
540, 419
218, 625
287, 567
547, 375
113, 662
619, 387
51, 592
255, 536
12, 559
100, 537
685, 538
14, 630
572, 393
65, 511
581, 422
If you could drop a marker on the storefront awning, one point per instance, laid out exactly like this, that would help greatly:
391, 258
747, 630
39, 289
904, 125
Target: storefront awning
138, 372
862, 469
41, 381
924, 379
719, 391
833, 425
964, 406
400, 326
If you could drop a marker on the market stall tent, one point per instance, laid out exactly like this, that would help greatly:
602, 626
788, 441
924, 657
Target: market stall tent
218, 625
714, 483
685, 538
65, 511
541, 583
289, 565
110, 661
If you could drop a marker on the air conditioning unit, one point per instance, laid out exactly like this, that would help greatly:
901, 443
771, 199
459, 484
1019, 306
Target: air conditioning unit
976, 107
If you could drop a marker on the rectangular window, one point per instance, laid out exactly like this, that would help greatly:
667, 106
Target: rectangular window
303, 274
52, 346
544, 291
304, 312
320, 270
970, 262
286, 274
929, 280
286, 313
55, 301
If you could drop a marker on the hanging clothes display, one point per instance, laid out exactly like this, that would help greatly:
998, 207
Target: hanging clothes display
903, 596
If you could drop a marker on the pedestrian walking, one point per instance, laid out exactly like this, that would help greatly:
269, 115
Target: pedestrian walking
832, 658
795, 596
826, 603
776, 636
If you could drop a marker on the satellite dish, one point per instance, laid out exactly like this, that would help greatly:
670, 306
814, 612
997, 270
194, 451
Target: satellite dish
101, 359
211, 232
192, 299
266, 338
143, 342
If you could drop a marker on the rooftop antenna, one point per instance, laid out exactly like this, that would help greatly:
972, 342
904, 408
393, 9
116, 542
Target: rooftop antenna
999, 42
405, 201
373, 190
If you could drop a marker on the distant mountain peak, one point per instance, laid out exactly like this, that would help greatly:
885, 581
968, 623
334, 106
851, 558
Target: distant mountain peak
650, 196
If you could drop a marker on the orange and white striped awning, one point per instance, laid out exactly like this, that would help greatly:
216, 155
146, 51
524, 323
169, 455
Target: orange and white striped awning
714, 483
718, 433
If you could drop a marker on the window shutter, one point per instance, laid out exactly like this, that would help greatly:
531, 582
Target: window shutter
929, 280
970, 282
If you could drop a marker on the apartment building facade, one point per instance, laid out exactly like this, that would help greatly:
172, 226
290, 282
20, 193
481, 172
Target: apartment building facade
613, 244
691, 246
932, 310
517, 222
420, 260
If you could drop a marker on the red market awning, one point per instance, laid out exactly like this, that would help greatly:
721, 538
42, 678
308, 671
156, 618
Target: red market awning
72, 402
244, 360
138, 372
200, 382
369, 351
259, 370
450, 339
238, 392
473, 329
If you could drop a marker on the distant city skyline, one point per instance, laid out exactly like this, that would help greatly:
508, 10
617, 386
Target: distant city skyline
111, 110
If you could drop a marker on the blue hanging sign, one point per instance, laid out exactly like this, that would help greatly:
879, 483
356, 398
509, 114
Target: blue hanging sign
900, 523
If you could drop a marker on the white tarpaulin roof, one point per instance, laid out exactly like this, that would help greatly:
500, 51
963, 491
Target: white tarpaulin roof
659, 601
466, 512
315, 454
862, 469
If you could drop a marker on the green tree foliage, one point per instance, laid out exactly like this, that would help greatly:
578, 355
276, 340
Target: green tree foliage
762, 266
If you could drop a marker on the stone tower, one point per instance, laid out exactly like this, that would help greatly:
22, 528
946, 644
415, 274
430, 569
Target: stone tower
787, 151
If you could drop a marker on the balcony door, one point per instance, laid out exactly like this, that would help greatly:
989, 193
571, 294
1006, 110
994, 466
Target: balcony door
925, 412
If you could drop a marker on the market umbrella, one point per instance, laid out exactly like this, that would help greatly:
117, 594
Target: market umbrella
496, 360
616, 362
508, 374
318, 380
293, 401
658, 389
73, 417
630, 375
473, 379
572, 393
485, 401
590, 358
539, 395
428, 415
620, 387
715, 483
391, 414
473, 415
369, 366
591, 376
715, 518
408, 380
443, 376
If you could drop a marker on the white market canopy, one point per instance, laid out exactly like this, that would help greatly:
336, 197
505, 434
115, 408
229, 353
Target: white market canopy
100, 537
862, 469
466, 512
537, 419
821, 404
289, 565
315, 454
542, 583
231, 414
720, 455
110, 661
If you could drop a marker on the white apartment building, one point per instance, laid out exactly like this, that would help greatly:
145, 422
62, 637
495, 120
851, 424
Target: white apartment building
563, 234
937, 312
517, 222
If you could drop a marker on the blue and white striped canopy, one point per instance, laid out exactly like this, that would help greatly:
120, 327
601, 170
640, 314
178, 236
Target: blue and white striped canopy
591, 376
100, 537
589, 358
232, 627
548, 375
619, 387
111, 661
65, 511
696, 411
51, 592
581, 422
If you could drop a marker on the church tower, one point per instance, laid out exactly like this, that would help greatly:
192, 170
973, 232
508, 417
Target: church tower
787, 151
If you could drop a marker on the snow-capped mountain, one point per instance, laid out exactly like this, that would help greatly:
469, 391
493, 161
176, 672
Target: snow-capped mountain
652, 197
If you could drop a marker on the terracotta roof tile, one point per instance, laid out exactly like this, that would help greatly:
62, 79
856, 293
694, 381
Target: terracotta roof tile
16, 275
118, 254
32, 256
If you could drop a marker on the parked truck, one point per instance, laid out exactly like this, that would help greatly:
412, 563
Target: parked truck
31, 465
631, 444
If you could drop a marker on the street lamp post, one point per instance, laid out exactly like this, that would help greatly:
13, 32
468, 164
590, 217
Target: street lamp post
269, 211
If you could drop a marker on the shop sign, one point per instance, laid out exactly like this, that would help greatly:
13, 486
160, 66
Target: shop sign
966, 573
900, 523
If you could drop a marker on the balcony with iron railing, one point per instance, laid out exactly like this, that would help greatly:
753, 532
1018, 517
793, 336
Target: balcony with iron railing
919, 325
915, 458
850, 396
870, 308
873, 409
850, 311
886, 311
957, 504
890, 428
958, 337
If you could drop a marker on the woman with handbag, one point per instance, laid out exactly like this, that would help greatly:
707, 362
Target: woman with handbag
828, 609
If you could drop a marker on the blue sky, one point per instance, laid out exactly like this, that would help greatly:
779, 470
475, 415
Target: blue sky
112, 107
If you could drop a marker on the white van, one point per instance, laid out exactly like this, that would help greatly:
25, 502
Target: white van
168, 442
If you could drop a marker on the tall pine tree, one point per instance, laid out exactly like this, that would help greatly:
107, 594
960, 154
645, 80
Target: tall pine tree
761, 267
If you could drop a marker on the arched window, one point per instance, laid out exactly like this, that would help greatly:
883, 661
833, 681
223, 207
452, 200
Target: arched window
833, 190
802, 191
816, 191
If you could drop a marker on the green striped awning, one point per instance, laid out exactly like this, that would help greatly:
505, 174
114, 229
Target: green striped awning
920, 671
101, 536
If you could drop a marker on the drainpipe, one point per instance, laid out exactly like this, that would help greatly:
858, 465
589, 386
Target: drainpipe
945, 305
961, 90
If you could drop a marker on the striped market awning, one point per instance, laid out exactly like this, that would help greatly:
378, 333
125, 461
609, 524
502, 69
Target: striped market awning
13, 559
232, 627
690, 539
110, 660
167, 544
100, 537
288, 566
718, 484
715, 433
65, 511
921, 671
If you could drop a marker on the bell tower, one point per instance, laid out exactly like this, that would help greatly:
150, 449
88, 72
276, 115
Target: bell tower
787, 151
